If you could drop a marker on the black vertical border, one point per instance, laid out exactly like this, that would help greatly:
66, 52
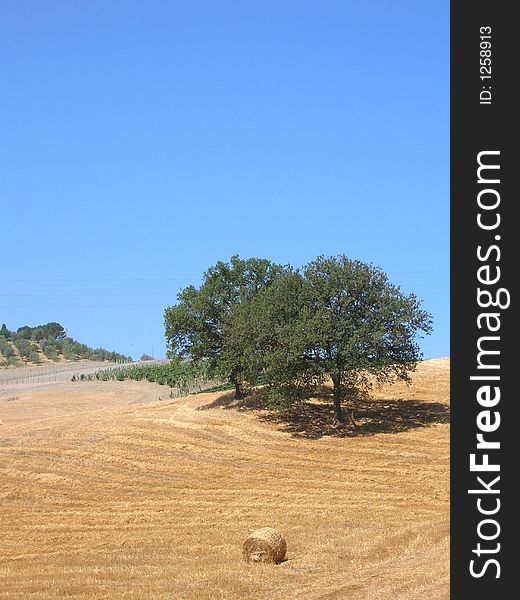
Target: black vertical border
478, 127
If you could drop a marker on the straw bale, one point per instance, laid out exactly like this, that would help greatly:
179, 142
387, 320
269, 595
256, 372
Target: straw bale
266, 545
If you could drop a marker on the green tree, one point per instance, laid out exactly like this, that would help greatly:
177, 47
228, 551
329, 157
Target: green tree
6, 349
194, 327
4, 332
341, 319
34, 357
361, 325
68, 349
52, 331
265, 334
49, 348
23, 346
25, 332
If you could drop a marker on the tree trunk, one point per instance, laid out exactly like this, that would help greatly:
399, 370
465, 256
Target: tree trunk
239, 394
338, 413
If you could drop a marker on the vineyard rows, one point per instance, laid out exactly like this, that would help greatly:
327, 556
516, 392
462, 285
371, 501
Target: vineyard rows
52, 373
185, 376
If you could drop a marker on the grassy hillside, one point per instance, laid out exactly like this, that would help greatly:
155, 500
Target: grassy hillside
106, 498
47, 344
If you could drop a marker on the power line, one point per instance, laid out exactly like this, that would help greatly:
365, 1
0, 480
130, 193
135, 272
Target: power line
166, 293
80, 294
45, 306
90, 280
190, 278
169, 294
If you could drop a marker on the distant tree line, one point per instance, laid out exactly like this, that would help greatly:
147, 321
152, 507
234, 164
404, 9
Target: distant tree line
335, 319
51, 340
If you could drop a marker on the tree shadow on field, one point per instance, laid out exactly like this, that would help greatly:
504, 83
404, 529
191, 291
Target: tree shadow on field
313, 419
229, 402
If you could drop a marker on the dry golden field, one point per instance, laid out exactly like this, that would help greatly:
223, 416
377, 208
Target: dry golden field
107, 492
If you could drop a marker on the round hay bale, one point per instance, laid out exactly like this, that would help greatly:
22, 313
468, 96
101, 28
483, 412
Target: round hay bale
266, 545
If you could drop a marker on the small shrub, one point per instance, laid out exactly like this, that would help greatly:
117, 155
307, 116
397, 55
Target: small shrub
34, 357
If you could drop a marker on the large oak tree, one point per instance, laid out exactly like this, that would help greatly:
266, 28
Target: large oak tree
338, 318
195, 326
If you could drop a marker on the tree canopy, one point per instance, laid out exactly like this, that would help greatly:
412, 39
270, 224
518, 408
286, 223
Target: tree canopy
336, 318
50, 331
195, 326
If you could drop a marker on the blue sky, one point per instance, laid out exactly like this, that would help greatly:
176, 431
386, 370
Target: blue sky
140, 142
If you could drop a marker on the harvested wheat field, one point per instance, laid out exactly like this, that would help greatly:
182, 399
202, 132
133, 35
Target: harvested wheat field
107, 492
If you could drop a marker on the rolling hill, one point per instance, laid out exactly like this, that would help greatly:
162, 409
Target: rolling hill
109, 492
45, 344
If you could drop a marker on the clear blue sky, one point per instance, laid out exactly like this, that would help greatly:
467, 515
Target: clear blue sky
140, 142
